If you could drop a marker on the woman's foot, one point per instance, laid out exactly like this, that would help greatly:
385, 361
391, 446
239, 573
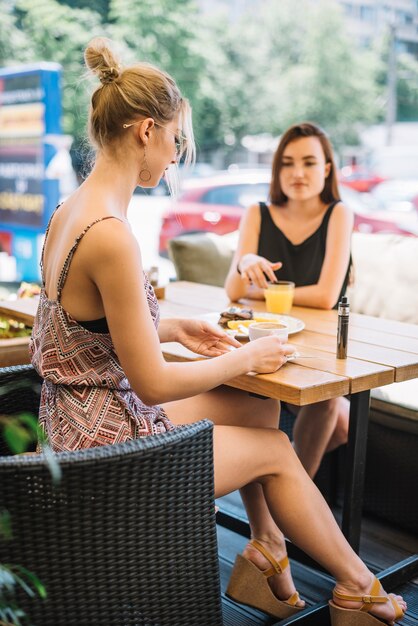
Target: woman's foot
282, 584
385, 611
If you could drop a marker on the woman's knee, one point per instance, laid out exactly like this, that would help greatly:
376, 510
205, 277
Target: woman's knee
340, 434
245, 455
331, 406
280, 456
282, 445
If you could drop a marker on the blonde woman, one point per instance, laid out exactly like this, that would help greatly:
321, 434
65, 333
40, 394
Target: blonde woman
97, 335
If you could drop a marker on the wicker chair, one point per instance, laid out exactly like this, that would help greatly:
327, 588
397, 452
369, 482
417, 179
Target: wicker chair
128, 536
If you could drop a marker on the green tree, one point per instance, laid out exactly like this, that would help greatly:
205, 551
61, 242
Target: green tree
407, 89
99, 6
166, 34
304, 66
13, 41
286, 62
59, 33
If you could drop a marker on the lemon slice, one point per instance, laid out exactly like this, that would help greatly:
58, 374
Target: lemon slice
234, 324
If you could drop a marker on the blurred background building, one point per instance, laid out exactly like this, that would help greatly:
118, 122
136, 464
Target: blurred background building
367, 20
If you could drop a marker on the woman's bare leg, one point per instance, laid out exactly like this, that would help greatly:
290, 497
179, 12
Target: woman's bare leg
264, 529
319, 428
340, 434
246, 455
237, 408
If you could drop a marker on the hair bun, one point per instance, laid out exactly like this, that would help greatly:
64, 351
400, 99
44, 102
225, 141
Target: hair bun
102, 60
108, 75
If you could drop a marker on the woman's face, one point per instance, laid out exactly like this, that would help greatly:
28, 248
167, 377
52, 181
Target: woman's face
303, 169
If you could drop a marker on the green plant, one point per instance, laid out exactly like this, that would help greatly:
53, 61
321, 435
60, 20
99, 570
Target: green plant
19, 432
12, 576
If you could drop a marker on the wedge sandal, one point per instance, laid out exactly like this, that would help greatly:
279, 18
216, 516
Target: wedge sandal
249, 585
361, 617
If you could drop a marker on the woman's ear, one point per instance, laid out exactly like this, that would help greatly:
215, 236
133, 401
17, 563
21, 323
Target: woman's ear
327, 169
144, 130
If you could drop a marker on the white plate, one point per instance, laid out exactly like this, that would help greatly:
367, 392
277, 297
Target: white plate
295, 324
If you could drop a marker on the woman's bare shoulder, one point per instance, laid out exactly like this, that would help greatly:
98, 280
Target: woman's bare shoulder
342, 209
254, 211
342, 215
111, 235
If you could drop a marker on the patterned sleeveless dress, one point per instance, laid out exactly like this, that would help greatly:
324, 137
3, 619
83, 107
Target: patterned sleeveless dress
86, 399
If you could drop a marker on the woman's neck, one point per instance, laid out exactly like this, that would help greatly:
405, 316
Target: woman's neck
115, 178
313, 207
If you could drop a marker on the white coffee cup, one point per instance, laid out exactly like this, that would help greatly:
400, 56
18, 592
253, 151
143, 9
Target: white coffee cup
264, 329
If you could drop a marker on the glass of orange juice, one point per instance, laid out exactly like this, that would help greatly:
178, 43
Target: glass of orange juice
279, 297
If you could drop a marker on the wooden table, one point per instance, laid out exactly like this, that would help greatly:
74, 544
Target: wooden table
380, 352
15, 351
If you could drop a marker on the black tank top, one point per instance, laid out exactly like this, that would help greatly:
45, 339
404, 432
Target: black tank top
302, 263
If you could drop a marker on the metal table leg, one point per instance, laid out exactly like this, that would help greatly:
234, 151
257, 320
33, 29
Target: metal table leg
355, 467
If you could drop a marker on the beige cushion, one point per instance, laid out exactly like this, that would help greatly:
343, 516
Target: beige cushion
202, 257
385, 276
398, 399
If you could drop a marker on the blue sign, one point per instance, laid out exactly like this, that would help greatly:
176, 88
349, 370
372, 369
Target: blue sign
30, 111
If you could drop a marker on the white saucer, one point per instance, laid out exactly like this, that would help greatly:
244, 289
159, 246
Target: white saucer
295, 324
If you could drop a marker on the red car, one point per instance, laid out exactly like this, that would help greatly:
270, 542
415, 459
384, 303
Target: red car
216, 205
213, 204
358, 178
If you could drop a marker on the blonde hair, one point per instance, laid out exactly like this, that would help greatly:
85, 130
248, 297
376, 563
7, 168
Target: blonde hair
129, 94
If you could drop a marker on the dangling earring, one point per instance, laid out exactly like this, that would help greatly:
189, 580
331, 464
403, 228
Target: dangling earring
144, 173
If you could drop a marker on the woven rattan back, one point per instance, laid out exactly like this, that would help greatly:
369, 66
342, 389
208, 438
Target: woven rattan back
128, 537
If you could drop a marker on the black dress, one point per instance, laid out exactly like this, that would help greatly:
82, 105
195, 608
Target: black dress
302, 263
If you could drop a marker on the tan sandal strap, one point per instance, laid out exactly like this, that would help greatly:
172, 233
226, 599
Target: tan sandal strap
367, 599
277, 566
293, 599
399, 612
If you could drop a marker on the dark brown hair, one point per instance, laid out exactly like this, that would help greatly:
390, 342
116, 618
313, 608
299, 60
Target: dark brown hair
306, 129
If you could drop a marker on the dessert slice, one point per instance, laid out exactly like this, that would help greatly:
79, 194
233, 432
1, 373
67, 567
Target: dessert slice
234, 313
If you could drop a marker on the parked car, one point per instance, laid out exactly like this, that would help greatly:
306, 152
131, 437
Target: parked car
396, 201
216, 204
397, 195
395, 162
213, 204
359, 178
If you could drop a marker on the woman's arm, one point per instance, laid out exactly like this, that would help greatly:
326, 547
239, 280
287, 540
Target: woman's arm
251, 282
325, 293
167, 330
118, 277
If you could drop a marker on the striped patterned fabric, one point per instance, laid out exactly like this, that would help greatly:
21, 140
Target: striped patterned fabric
86, 399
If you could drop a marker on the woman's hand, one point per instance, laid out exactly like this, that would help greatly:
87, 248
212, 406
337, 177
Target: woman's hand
257, 270
204, 338
268, 354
